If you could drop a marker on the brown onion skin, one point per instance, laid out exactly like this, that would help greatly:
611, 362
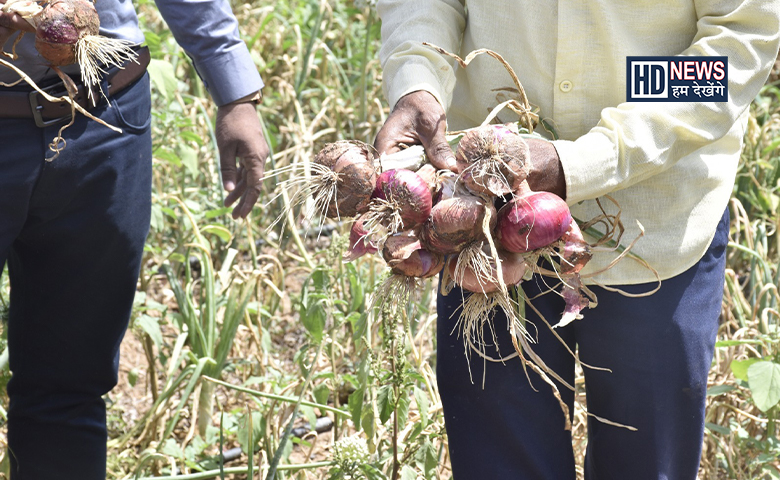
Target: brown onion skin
60, 25
513, 268
409, 192
456, 222
532, 221
494, 143
405, 256
576, 251
354, 162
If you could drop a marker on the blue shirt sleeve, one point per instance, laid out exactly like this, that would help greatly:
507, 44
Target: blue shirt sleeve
208, 31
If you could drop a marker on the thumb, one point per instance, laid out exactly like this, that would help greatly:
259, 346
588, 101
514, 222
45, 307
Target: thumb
440, 153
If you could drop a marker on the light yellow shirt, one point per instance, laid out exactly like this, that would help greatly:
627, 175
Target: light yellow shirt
670, 166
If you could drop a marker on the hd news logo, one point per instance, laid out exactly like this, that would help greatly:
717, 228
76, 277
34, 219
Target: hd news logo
677, 79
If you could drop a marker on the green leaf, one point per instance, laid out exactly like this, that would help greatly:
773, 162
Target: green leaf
258, 426
740, 367
314, 318
170, 447
218, 230
191, 136
718, 428
775, 143
320, 279
403, 409
385, 402
764, 381
422, 405
151, 326
719, 390
217, 212
311, 417
321, 393
367, 422
734, 343
372, 473
427, 459
355, 404
163, 78
132, 377
408, 473
355, 287
158, 221
167, 155
189, 158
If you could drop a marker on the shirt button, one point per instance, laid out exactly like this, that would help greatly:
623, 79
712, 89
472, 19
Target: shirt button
566, 86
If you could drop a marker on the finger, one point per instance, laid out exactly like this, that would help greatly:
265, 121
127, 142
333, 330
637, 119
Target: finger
386, 140
440, 153
236, 193
255, 167
248, 200
15, 22
227, 165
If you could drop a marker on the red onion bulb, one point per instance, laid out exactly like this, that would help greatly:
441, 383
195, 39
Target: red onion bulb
406, 256
359, 241
532, 221
493, 160
513, 268
457, 221
403, 195
60, 26
348, 192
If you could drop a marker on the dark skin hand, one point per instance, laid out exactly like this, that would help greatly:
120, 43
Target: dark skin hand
10, 23
418, 119
240, 135
546, 170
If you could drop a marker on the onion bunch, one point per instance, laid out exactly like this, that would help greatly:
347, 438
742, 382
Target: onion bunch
424, 221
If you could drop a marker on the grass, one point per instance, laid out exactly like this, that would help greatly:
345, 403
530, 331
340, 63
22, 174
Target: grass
273, 328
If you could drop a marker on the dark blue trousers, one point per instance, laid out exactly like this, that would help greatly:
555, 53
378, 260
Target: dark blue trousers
72, 232
659, 349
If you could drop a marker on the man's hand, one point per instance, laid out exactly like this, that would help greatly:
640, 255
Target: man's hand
10, 23
417, 119
239, 134
546, 170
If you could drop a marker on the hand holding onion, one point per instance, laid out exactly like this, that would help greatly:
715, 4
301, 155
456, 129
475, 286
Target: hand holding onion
418, 119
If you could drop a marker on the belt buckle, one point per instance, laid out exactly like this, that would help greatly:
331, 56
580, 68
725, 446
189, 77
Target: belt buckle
37, 108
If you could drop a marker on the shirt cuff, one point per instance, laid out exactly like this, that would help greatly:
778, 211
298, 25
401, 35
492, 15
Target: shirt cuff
588, 165
412, 77
230, 75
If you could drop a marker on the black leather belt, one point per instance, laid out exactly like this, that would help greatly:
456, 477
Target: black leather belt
16, 104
